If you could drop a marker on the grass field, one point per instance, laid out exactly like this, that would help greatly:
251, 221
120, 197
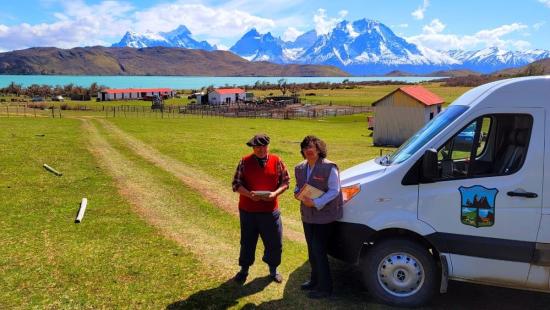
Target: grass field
146, 240
360, 96
161, 229
365, 95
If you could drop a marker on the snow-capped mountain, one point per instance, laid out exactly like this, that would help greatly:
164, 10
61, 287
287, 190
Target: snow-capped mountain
254, 46
367, 47
493, 58
265, 47
139, 40
295, 49
179, 37
362, 47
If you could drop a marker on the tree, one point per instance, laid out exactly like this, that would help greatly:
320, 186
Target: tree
15, 89
294, 89
94, 89
283, 85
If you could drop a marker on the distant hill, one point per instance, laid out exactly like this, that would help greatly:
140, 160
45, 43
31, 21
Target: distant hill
539, 67
147, 61
441, 73
454, 73
397, 73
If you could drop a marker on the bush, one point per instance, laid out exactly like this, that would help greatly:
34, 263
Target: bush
38, 105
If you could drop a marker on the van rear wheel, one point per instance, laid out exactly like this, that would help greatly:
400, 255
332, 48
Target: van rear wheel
400, 272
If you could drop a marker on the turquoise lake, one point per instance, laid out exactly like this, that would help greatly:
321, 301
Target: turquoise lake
179, 82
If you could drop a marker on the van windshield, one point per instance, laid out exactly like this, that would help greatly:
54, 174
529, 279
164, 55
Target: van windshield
425, 134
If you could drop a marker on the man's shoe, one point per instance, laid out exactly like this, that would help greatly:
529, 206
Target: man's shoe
318, 294
278, 278
308, 285
240, 277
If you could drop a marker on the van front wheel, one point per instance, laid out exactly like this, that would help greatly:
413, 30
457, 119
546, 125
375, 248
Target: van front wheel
400, 272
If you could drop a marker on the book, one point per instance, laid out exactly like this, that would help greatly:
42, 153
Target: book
261, 193
309, 191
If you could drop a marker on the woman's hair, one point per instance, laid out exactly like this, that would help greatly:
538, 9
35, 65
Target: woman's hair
320, 144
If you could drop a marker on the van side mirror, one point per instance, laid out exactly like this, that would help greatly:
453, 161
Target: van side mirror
429, 165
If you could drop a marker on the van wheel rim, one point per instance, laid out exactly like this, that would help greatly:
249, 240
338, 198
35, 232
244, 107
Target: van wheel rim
401, 274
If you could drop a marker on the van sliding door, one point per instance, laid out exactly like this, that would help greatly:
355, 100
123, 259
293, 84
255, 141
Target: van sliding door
486, 203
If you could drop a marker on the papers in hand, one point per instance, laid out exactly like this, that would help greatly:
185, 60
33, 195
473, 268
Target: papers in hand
261, 193
309, 191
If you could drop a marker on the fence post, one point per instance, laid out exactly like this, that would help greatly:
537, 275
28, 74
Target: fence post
53, 112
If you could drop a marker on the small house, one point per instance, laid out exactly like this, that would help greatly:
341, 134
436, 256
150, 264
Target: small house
226, 96
135, 94
401, 113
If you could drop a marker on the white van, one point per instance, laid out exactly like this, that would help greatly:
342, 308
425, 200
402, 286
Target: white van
465, 199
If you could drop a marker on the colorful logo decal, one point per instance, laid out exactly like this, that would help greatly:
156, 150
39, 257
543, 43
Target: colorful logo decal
478, 205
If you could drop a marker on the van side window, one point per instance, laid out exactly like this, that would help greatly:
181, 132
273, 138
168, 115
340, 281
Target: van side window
490, 145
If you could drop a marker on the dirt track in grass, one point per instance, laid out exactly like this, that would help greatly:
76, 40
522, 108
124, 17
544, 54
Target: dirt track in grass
214, 191
133, 183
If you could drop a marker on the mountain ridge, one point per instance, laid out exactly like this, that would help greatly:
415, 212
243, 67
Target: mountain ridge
99, 60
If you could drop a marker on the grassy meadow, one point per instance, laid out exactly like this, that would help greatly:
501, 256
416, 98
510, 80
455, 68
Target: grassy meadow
146, 240
364, 95
359, 96
161, 229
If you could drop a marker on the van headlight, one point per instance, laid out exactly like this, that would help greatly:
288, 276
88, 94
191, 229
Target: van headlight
348, 192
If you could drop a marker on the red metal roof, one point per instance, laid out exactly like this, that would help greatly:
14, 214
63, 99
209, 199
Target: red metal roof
225, 91
421, 94
137, 90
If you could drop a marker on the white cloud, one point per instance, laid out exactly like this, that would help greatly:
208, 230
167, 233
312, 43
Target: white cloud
538, 25
401, 26
202, 21
434, 27
78, 25
82, 24
324, 25
433, 37
545, 2
342, 14
291, 34
419, 12
521, 45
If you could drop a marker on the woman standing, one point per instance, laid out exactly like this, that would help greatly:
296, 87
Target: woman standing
318, 212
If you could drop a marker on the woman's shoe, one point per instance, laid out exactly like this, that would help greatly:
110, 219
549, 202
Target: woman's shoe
308, 285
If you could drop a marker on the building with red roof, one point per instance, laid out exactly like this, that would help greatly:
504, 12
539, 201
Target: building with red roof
401, 113
135, 93
226, 95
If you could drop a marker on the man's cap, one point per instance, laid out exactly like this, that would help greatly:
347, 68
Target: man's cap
258, 140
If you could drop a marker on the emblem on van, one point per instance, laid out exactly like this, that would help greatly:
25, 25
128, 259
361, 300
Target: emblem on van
477, 205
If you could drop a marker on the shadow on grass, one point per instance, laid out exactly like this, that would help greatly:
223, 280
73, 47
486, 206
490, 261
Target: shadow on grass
349, 293
223, 296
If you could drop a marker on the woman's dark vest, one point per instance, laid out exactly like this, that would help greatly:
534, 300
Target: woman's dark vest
319, 178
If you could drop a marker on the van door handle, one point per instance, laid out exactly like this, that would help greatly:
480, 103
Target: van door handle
523, 194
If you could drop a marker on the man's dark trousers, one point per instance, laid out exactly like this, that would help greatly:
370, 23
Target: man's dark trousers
317, 238
268, 226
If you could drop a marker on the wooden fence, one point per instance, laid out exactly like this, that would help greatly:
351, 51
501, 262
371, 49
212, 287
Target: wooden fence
30, 109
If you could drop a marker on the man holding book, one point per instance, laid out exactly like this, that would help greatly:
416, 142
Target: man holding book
318, 189
259, 179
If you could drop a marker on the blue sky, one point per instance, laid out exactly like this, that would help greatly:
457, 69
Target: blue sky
436, 24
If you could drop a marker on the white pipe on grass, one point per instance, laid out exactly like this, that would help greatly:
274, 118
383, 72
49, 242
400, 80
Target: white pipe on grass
52, 170
81, 211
